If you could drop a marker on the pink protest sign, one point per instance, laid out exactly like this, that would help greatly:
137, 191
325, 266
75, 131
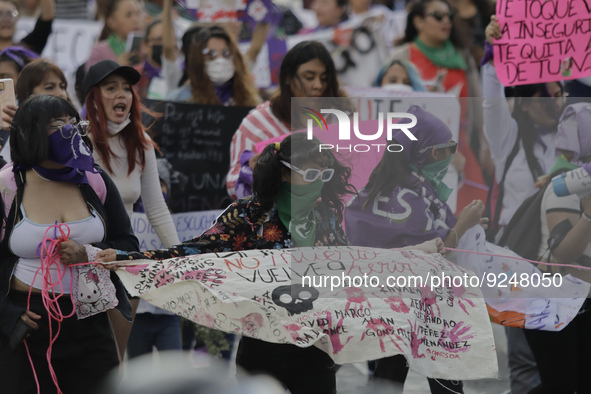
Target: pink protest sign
543, 41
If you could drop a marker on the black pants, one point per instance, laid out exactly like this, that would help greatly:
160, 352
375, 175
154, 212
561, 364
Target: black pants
301, 370
82, 356
394, 369
563, 356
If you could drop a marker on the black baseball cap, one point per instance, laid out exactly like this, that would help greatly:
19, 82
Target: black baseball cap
103, 69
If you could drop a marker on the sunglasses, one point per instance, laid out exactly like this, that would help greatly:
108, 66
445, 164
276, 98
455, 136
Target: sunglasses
67, 129
211, 54
452, 144
311, 174
438, 15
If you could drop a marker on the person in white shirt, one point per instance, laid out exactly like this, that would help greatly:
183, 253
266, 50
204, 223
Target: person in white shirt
123, 148
522, 146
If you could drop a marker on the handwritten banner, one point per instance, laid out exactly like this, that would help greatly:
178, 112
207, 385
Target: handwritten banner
529, 304
195, 139
188, 225
443, 331
543, 41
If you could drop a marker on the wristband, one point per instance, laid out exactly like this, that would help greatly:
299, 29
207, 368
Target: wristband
488, 53
587, 218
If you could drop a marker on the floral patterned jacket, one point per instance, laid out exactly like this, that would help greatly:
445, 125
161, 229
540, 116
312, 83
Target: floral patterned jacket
244, 225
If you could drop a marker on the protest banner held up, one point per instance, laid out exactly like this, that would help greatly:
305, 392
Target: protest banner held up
513, 288
543, 41
187, 224
442, 329
195, 139
69, 43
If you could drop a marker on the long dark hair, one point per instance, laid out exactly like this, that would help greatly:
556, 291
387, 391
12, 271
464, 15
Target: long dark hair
525, 124
298, 150
419, 8
28, 131
302, 53
392, 170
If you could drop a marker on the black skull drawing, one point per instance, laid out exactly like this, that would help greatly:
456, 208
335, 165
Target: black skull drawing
295, 298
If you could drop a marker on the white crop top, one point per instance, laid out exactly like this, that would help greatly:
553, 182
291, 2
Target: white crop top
26, 238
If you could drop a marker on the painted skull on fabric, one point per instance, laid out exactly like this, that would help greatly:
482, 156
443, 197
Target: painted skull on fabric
295, 298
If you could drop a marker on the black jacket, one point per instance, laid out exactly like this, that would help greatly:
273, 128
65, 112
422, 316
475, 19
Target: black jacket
118, 235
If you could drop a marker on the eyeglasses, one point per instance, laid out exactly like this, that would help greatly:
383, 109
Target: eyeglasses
211, 54
67, 129
452, 144
311, 174
10, 14
438, 15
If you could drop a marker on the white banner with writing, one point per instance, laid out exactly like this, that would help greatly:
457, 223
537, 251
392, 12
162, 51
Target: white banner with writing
188, 225
290, 296
517, 293
70, 42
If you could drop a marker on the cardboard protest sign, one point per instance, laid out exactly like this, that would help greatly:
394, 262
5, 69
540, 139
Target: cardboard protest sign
543, 41
195, 139
289, 296
517, 293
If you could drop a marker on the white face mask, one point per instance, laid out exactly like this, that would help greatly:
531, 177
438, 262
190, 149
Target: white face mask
398, 87
115, 128
220, 70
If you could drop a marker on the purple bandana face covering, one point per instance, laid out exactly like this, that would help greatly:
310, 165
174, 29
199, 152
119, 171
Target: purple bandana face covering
72, 152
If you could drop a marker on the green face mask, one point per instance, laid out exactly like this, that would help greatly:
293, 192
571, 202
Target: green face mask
562, 163
295, 205
434, 173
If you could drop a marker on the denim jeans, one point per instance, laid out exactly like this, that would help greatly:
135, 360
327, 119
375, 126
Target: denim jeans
149, 330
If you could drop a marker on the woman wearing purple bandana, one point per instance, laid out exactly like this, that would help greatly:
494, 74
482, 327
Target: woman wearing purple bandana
404, 204
13, 59
53, 180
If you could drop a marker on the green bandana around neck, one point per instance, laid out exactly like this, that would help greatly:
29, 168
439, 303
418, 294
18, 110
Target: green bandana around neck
562, 163
434, 173
295, 205
447, 57
116, 44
